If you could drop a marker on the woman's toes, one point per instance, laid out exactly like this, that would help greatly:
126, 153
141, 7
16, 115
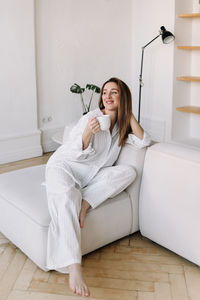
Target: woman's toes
78, 291
86, 293
83, 292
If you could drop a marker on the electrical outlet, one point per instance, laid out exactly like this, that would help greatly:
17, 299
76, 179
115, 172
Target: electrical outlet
47, 119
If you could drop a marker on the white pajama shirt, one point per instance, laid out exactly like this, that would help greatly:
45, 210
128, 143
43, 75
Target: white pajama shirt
73, 174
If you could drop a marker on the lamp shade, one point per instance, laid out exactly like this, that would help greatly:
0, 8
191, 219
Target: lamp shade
167, 36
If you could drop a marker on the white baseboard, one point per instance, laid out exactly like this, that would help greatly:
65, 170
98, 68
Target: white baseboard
20, 146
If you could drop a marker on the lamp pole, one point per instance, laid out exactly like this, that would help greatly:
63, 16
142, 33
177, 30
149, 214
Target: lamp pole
140, 77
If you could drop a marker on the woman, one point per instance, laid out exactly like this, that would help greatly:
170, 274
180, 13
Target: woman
78, 172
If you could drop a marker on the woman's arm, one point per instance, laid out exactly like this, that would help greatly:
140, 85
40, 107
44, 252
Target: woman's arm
136, 128
91, 128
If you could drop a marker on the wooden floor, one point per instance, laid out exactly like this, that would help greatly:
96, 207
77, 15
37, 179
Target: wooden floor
132, 268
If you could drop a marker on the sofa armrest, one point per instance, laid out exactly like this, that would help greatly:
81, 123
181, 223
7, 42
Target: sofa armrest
169, 198
135, 157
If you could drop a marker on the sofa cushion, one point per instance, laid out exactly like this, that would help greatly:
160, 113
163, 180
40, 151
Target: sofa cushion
23, 189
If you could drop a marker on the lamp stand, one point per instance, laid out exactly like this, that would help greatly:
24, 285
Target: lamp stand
140, 77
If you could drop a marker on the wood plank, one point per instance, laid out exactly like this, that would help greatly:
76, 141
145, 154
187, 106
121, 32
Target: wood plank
192, 15
131, 257
110, 294
144, 243
24, 295
60, 278
96, 255
2, 249
63, 289
189, 109
3, 239
189, 47
124, 242
51, 288
125, 275
6, 258
109, 248
156, 250
26, 275
119, 284
189, 78
178, 287
11, 274
41, 275
162, 291
25, 163
134, 266
192, 276
145, 296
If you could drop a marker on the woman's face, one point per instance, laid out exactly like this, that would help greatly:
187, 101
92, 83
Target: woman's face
111, 96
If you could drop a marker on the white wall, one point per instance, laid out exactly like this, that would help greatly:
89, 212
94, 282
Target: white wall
19, 136
156, 105
78, 41
85, 42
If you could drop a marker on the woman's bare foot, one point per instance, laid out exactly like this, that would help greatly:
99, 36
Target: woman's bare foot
84, 208
76, 281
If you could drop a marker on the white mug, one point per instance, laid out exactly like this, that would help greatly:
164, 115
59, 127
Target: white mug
104, 122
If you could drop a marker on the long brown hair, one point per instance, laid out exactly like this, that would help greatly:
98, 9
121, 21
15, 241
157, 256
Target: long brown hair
124, 108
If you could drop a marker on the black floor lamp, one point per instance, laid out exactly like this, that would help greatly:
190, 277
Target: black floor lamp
167, 37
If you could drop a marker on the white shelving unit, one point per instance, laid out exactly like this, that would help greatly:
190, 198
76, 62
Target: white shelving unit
186, 97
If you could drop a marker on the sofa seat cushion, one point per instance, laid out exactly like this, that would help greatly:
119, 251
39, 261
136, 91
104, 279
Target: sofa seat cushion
24, 190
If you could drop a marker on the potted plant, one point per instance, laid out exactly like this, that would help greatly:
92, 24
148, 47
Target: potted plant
75, 88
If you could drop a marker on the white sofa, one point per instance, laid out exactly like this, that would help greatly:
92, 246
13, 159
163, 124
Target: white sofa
166, 211
169, 210
24, 217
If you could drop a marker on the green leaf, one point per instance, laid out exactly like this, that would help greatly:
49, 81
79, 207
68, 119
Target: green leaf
97, 90
88, 86
93, 87
75, 88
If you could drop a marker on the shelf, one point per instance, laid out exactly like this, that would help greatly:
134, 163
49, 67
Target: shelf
189, 109
189, 47
189, 78
193, 15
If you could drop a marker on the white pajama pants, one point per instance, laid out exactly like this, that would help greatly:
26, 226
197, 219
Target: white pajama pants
64, 202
